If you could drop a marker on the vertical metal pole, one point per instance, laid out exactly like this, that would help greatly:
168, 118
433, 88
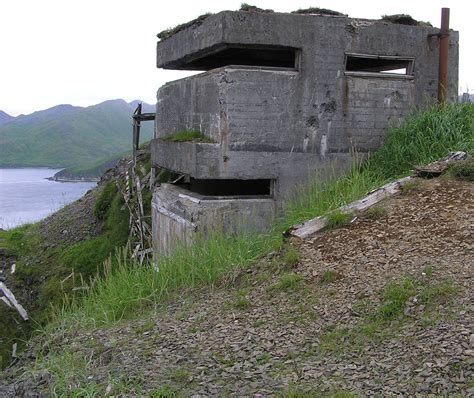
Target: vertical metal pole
443, 56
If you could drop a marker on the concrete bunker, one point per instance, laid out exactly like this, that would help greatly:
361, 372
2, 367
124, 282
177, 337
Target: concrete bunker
282, 97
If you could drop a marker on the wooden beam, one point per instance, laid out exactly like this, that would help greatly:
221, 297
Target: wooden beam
144, 117
11, 298
316, 224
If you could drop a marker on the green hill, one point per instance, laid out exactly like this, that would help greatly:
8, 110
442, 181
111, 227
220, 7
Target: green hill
67, 135
89, 171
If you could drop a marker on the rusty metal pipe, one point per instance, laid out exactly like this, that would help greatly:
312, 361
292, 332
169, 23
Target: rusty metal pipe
443, 56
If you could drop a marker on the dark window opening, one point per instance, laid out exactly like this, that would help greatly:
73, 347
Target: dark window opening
266, 56
233, 188
379, 64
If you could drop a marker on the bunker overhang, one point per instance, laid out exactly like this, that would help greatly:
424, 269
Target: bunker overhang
227, 37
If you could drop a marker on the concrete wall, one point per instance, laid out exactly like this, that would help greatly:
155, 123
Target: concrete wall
179, 214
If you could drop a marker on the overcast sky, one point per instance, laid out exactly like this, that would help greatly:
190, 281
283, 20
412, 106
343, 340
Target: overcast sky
82, 52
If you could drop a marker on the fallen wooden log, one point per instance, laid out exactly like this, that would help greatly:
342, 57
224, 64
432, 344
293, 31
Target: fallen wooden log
437, 168
11, 298
318, 223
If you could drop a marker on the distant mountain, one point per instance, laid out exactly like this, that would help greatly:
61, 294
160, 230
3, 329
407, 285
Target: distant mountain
66, 135
5, 117
146, 108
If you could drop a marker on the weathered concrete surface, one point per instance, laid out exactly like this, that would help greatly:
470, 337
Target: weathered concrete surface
286, 124
322, 39
178, 214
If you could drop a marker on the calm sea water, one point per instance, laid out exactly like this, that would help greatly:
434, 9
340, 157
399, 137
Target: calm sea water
26, 196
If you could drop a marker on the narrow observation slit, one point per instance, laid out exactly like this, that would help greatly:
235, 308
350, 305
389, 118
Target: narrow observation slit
230, 188
379, 64
239, 55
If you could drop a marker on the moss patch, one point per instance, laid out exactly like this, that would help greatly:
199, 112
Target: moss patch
317, 10
187, 136
167, 33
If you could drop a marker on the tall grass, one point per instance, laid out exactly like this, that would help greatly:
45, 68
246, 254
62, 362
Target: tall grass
127, 287
423, 137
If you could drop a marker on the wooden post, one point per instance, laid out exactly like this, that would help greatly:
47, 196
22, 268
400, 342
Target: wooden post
443, 56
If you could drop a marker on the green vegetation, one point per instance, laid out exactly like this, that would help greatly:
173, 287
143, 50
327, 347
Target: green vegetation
376, 212
463, 170
126, 289
338, 219
167, 33
251, 8
104, 201
66, 136
380, 320
424, 137
291, 256
288, 282
404, 19
263, 358
317, 10
409, 187
164, 392
187, 136
329, 276
240, 302
54, 272
428, 271
179, 375
86, 257
394, 298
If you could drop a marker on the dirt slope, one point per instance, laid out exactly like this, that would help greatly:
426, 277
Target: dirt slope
323, 325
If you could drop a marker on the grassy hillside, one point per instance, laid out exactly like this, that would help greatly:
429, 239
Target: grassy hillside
131, 291
61, 254
66, 135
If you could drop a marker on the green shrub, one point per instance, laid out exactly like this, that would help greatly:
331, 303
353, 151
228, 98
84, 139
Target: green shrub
86, 257
187, 136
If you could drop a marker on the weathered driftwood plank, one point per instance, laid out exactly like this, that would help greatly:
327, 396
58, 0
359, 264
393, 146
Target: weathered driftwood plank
317, 224
437, 168
11, 298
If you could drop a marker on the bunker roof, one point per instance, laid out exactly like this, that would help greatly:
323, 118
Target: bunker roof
212, 34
